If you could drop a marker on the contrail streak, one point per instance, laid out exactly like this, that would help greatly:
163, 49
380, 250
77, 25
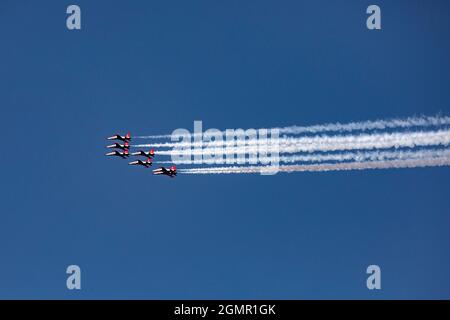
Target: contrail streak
390, 164
349, 156
329, 143
285, 141
370, 125
410, 122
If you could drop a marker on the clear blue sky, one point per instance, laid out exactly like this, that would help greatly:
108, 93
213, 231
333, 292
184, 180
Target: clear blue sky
152, 66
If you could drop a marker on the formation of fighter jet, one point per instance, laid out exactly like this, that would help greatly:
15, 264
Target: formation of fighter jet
124, 146
149, 154
116, 153
171, 172
147, 163
124, 138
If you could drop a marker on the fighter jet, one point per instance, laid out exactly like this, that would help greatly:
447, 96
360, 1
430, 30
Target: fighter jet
127, 137
147, 163
171, 172
123, 154
149, 154
124, 146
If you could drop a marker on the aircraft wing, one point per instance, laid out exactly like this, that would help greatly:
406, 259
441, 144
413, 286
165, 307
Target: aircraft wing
160, 171
137, 153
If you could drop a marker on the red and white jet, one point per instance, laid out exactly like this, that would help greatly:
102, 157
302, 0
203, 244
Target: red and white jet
124, 146
127, 137
123, 154
149, 154
147, 163
171, 172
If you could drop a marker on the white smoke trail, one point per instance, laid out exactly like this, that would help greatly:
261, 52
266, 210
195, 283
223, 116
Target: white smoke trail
349, 156
285, 141
407, 123
329, 143
370, 125
389, 164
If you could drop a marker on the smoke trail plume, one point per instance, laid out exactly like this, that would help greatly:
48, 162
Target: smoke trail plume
328, 143
339, 157
389, 164
407, 123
